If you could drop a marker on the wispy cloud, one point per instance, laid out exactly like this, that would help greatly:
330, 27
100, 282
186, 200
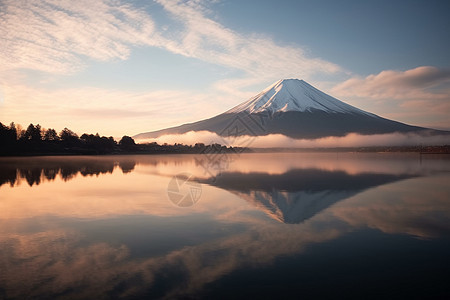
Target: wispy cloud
259, 57
56, 36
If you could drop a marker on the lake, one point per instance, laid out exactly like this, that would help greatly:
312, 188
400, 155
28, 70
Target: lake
272, 225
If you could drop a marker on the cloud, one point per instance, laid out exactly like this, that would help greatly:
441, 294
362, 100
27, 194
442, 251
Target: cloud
279, 140
417, 207
389, 84
54, 36
419, 96
259, 57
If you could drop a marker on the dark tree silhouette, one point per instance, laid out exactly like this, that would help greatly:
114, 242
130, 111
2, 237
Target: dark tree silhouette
33, 133
68, 137
97, 143
66, 134
8, 135
35, 141
12, 132
51, 135
127, 143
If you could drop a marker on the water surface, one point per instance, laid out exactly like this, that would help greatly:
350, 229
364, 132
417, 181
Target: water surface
225, 226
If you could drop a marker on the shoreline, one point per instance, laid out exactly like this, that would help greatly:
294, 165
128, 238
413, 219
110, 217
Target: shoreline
422, 150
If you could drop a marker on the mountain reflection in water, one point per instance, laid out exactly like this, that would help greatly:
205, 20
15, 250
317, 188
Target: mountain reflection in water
347, 224
299, 194
290, 197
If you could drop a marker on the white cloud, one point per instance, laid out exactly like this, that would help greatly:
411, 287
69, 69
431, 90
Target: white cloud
259, 57
389, 84
54, 36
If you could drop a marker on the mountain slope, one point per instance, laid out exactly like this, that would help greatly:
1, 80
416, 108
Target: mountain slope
296, 109
294, 95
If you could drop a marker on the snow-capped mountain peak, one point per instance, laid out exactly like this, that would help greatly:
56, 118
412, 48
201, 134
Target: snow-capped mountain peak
293, 95
297, 110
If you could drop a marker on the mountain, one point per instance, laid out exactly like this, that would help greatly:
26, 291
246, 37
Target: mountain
293, 95
296, 109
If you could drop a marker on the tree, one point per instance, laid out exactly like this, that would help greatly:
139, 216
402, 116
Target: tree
8, 135
100, 144
127, 142
199, 146
108, 143
112, 140
12, 132
67, 134
50, 135
37, 133
87, 138
68, 137
33, 133
3, 134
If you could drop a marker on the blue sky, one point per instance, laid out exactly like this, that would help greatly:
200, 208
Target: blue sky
125, 67
362, 36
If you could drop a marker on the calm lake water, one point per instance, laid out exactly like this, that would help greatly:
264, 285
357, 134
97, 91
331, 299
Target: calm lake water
279, 226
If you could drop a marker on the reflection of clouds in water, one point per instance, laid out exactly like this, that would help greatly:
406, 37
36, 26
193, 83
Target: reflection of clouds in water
417, 207
59, 257
50, 263
58, 261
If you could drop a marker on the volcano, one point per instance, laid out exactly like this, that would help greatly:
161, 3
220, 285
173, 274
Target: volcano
296, 109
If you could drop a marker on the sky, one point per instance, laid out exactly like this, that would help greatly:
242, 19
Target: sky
126, 67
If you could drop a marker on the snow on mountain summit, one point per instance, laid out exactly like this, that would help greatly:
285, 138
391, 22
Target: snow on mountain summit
298, 110
293, 95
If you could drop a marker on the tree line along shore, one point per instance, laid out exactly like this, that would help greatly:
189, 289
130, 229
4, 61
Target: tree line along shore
34, 140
